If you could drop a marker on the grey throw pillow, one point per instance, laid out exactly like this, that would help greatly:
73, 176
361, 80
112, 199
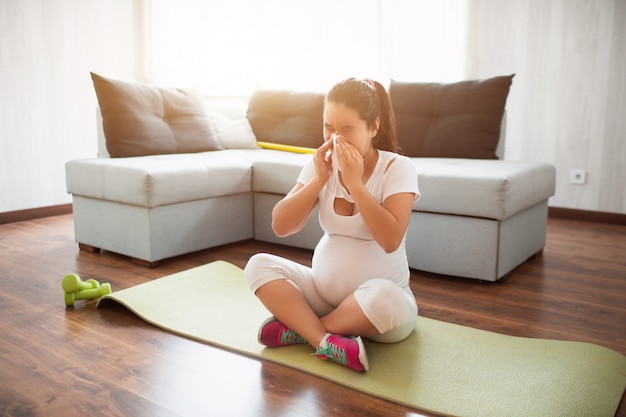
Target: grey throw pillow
456, 120
287, 117
140, 119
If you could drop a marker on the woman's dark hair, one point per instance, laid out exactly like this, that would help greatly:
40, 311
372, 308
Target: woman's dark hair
370, 100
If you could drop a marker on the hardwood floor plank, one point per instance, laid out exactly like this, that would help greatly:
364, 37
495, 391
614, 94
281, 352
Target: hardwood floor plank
83, 361
14, 404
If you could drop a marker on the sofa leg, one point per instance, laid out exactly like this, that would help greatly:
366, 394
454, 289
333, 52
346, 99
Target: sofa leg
537, 254
145, 264
88, 248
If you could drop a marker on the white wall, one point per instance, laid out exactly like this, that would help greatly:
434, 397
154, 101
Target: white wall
47, 103
566, 105
568, 99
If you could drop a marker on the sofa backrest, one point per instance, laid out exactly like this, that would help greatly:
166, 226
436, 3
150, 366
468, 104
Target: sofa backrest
295, 118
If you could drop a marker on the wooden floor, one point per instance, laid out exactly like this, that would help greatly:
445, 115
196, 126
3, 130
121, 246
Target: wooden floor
86, 362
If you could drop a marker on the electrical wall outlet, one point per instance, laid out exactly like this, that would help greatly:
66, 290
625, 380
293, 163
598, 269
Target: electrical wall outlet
578, 176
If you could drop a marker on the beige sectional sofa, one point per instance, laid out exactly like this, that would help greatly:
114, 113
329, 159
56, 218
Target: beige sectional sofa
477, 218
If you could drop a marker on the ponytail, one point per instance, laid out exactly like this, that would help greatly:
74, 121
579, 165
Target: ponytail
386, 138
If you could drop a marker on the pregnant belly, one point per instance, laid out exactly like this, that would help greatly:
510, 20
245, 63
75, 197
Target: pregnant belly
341, 264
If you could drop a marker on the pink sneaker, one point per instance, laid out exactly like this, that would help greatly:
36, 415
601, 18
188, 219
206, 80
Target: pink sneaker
347, 351
274, 334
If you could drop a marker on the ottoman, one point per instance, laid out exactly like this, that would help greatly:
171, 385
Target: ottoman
478, 218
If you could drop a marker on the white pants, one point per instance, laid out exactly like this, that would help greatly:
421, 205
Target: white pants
391, 309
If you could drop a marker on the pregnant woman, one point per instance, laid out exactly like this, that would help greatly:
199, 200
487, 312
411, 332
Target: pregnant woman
358, 285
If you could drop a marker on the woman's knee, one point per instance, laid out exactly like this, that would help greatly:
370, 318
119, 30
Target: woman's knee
385, 297
387, 306
258, 270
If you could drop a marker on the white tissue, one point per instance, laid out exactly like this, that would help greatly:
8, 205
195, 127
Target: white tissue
336, 163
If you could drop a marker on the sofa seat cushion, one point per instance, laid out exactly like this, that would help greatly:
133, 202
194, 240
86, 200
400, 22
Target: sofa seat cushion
490, 189
153, 181
273, 171
278, 174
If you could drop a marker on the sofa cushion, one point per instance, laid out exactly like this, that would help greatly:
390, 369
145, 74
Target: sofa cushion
457, 120
277, 172
159, 180
489, 189
140, 119
233, 133
287, 117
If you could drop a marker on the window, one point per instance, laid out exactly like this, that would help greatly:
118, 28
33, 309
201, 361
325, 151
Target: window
231, 47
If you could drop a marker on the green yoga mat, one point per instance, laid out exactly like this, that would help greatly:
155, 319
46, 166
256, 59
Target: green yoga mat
441, 368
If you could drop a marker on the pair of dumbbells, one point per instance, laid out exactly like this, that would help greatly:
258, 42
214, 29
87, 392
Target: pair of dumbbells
76, 289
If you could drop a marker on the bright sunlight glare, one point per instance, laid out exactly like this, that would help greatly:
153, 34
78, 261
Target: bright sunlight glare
231, 48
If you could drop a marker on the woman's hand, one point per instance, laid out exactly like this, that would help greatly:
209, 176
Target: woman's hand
323, 162
351, 162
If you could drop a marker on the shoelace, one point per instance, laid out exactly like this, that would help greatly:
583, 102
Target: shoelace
289, 337
334, 353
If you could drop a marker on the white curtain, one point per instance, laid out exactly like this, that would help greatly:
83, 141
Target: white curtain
231, 47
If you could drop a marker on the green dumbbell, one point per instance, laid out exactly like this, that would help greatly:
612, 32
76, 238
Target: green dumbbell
76, 289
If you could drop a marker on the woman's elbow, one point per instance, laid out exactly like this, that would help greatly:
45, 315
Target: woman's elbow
391, 245
279, 230
390, 249
279, 226
283, 229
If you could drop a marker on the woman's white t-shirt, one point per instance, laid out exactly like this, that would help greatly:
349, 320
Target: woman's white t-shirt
347, 255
